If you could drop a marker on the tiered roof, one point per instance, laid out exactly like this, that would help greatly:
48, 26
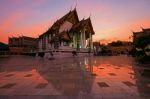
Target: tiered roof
77, 25
82, 24
143, 31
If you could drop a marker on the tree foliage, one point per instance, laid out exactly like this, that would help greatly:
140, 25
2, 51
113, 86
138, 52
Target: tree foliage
142, 42
96, 43
116, 43
3, 47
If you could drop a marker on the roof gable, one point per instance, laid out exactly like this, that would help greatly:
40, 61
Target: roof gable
84, 24
70, 16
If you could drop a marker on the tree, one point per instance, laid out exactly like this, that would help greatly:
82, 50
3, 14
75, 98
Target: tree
4, 47
96, 43
142, 42
116, 43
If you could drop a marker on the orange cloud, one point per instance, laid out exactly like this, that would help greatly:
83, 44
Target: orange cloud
33, 30
120, 32
7, 23
126, 31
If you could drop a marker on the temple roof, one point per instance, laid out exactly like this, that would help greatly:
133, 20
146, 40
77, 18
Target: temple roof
82, 24
63, 36
146, 30
143, 31
77, 25
60, 21
64, 18
137, 32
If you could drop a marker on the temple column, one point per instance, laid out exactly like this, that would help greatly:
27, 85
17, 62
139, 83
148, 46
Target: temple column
91, 43
49, 38
45, 42
40, 44
81, 39
84, 40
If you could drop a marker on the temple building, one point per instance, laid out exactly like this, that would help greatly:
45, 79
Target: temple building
68, 34
143, 33
141, 41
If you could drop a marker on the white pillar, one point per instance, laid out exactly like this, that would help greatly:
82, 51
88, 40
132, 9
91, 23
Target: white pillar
81, 43
49, 40
84, 39
46, 42
40, 45
91, 42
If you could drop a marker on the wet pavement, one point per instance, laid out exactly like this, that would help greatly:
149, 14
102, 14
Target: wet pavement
106, 77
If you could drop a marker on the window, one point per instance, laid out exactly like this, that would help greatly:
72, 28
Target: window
66, 43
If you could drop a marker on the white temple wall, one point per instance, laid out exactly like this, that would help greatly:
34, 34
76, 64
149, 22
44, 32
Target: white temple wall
40, 44
66, 54
91, 41
65, 26
82, 39
46, 44
49, 45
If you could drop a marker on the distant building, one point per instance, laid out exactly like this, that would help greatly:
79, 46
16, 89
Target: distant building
23, 44
68, 33
144, 32
141, 41
121, 49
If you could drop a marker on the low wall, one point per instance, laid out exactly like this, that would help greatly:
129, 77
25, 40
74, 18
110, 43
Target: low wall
62, 54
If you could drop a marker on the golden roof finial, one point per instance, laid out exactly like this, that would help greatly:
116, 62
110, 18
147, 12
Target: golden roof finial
75, 5
71, 8
141, 27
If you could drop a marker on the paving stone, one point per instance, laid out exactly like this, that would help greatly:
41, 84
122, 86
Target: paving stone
7, 86
9, 75
41, 85
117, 68
46, 79
103, 84
128, 83
101, 68
28, 75
131, 73
93, 74
112, 74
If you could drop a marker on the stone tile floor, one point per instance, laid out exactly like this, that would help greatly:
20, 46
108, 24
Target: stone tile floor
113, 77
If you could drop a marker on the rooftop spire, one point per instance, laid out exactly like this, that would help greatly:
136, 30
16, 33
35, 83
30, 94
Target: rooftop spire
75, 5
71, 8
132, 31
142, 28
90, 15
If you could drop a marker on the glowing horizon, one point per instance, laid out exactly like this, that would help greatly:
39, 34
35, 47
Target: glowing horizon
112, 20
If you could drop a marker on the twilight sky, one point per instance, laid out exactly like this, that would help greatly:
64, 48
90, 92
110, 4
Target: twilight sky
111, 19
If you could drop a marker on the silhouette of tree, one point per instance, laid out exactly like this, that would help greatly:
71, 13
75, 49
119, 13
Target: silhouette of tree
115, 44
142, 42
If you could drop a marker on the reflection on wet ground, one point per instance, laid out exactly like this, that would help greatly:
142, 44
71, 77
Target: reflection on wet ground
113, 77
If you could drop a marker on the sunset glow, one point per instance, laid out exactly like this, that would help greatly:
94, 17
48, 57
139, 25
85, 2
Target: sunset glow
111, 19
